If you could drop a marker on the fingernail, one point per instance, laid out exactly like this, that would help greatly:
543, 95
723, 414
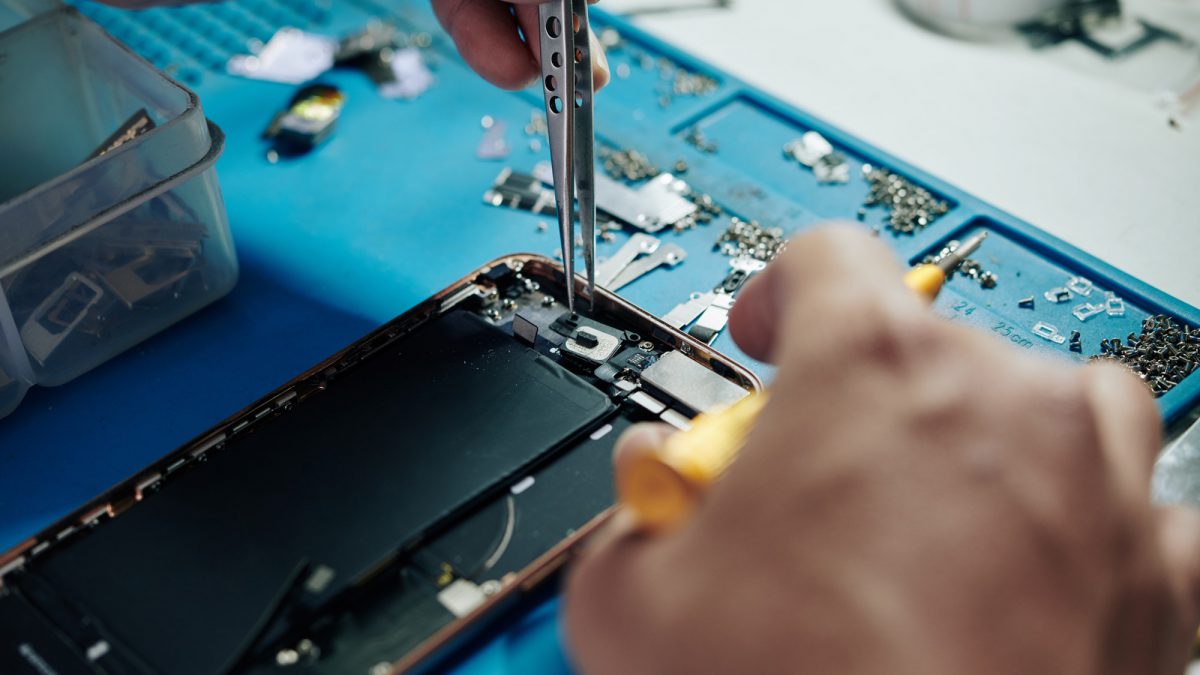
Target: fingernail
600, 72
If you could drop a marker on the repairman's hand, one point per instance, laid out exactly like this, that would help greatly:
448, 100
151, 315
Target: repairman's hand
486, 33
918, 498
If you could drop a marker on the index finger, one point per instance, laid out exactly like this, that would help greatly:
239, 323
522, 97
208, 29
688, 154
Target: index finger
828, 274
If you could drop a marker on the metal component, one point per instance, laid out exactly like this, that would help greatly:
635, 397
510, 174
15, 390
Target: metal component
666, 255
1026, 303
686, 312
1048, 332
911, 207
714, 319
646, 346
520, 191
676, 419
690, 383
461, 597
653, 405
592, 345
654, 206
1087, 310
638, 245
1058, 295
525, 329
1080, 285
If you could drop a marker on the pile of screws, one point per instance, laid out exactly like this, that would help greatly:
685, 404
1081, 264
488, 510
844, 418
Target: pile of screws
629, 165
696, 138
912, 207
748, 238
537, 124
1163, 355
969, 267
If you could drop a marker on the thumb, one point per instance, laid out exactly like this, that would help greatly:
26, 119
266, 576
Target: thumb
1179, 539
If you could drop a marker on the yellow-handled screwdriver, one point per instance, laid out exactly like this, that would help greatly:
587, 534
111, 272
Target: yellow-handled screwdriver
662, 488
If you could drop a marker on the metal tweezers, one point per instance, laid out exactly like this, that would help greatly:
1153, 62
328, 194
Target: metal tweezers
567, 84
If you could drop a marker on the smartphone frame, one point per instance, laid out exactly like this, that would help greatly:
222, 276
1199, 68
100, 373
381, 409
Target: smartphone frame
116, 500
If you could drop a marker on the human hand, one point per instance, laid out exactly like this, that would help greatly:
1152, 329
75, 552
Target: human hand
917, 498
485, 32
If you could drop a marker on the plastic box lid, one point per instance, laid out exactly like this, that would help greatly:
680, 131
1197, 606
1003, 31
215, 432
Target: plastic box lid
85, 86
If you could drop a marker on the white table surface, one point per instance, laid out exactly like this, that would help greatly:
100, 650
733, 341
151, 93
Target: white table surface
1083, 157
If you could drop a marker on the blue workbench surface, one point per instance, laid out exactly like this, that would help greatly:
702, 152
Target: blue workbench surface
390, 211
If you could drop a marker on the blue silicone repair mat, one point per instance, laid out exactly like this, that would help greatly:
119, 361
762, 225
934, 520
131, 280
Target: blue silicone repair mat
390, 210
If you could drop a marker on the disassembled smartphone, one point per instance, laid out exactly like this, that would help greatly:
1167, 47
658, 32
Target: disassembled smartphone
376, 511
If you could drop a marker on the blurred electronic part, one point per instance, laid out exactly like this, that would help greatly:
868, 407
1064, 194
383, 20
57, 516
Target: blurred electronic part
291, 56
520, 191
407, 76
393, 59
815, 152
308, 120
969, 267
494, 144
910, 207
667, 255
1163, 354
693, 385
639, 244
370, 39
139, 123
749, 238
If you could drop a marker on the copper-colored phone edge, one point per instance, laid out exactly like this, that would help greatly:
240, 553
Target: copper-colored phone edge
125, 494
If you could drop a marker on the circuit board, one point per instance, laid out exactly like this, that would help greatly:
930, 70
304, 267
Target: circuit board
390, 208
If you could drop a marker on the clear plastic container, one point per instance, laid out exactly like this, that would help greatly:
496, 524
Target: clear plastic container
97, 254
